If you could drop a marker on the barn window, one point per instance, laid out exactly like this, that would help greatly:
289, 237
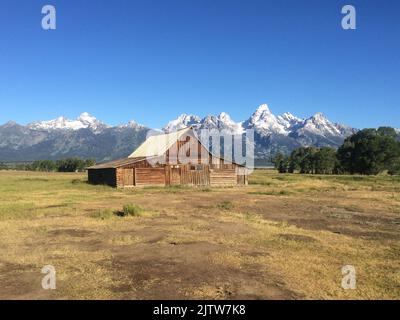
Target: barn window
196, 167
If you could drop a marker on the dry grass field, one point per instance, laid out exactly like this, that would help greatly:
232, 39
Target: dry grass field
282, 237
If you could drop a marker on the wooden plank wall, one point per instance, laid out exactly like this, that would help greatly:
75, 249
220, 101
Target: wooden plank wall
197, 150
129, 177
150, 176
241, 180
120, 171
223, 177
175, 176
195, 177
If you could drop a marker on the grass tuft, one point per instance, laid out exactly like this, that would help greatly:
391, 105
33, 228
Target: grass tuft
225, 205
103, 214
271, 193
132, 210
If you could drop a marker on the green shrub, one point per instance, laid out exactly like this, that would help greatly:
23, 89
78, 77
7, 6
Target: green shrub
132, 210
225, 205
103, 214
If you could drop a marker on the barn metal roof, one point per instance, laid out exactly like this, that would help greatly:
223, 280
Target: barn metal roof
117, 163
157, 145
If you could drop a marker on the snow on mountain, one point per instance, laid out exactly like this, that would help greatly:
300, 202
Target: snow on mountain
59, 123
84, 121
226, 122
319, 124
288, 120
221, 122
345, 130
89, 121
265, 122
183, 121
273, 134
132, 124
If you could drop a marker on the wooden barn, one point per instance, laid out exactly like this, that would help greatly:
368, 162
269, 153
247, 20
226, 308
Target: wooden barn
176, 158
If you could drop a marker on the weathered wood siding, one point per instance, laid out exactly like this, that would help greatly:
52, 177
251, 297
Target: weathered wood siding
242, 180
172, 175
121, 173
242, 176
128, 177
189, 151
223, 177
150, 176
195, 177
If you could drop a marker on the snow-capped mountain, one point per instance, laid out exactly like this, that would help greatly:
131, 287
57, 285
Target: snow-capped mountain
221, 122
265, 123
281, 133
288, 120
84, 121
183, 121
89, 137
131, 124
319, 124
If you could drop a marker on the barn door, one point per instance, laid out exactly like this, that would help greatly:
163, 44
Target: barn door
175, 176
129, 177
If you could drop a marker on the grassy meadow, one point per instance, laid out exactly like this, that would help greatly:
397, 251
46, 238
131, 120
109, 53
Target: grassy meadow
282, 237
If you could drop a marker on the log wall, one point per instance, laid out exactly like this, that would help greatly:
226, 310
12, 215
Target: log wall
150, 176
223, 177
195, 177
120, 172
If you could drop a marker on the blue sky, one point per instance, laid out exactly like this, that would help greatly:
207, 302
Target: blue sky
152, 60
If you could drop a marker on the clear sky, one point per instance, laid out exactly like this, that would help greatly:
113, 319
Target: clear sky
151, 60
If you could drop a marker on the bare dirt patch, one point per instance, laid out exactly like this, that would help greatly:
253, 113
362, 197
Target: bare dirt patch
79, 233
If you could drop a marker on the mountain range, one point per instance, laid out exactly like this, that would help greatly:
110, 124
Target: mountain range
89, 137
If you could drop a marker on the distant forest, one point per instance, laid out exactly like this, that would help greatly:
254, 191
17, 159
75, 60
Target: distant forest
367, 152
62, 165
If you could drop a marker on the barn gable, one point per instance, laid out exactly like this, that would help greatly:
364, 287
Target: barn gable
158, 145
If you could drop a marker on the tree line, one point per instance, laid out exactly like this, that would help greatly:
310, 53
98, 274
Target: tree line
367, 152
62, 165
